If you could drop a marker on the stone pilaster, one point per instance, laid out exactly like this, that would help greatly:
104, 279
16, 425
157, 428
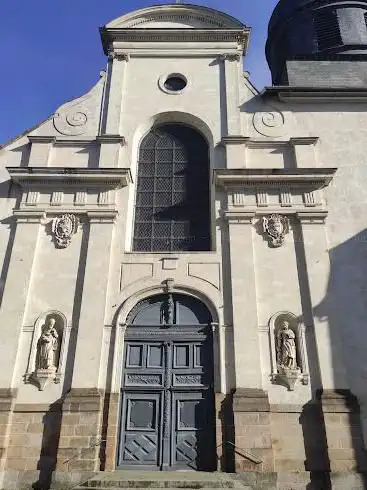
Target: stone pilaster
232, 75
116, 79
93, 302
16, 290
245, 319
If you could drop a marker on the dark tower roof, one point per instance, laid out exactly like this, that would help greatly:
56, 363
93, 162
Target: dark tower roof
315, 29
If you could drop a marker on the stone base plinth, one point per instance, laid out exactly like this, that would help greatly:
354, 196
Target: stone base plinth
81, 436
253, 449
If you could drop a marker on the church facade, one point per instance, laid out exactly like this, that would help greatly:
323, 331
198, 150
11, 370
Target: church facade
183, 258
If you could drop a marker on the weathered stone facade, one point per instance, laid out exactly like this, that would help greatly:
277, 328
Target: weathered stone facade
283, 279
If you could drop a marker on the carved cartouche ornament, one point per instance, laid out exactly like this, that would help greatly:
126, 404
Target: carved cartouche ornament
276, 227
63, 228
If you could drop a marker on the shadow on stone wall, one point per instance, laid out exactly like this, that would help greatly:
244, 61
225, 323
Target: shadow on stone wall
227, 459
331, 421
76, 311
312, 418
50, 446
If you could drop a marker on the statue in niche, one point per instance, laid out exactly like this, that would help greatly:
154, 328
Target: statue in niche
168, 311
286, 347
47, 347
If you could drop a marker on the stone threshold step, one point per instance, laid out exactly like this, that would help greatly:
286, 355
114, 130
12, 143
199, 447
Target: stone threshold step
166, 488
168, 484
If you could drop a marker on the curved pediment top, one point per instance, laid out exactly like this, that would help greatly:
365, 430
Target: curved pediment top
176, 16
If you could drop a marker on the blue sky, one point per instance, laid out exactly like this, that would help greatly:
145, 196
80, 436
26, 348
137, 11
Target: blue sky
50, 51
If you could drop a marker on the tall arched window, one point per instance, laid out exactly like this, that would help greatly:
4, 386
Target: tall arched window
172, 198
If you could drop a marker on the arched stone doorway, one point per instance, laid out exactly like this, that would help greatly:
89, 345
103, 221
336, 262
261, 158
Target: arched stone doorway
167, 418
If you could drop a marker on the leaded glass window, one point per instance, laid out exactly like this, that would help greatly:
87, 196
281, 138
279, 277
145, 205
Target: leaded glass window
172, 198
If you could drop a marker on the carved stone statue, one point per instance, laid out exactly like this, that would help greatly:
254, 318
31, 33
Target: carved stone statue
47, 347
168, 311
286, 347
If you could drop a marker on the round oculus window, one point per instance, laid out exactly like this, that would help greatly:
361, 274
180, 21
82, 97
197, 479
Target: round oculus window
173, 83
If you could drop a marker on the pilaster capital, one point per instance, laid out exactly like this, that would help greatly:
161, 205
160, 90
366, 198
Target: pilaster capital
239, 217
312, 218
230, 57
122, 327
119, 56
102, 217
29, 215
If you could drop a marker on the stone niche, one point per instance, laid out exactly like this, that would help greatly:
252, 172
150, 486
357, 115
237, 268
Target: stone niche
48, 349
288, 350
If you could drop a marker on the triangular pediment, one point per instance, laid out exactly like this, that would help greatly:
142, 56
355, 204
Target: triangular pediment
177, 16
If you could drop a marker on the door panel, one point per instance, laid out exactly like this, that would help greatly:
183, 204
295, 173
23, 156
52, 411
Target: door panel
193, 436
141, 432
167, 418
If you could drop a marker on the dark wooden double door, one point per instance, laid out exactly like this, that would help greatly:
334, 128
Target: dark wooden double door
167, 406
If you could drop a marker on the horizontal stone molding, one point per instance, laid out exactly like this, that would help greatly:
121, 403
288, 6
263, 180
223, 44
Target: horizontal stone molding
248, 215
311, 177
315, 94
76, 141
179, 51
67, 176
38, 215
268, 143
111, 36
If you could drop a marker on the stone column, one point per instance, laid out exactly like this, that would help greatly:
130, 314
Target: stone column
93, 302
16, 290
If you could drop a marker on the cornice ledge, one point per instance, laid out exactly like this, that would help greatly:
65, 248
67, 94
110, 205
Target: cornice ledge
41, 139
72, 140
111, 138
112, 35
44, 176
234, 140
317, 177
315, 94
304, 140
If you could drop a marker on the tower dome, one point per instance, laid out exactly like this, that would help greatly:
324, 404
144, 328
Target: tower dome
315, 29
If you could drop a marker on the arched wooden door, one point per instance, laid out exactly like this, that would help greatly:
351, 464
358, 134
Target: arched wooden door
167, 407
